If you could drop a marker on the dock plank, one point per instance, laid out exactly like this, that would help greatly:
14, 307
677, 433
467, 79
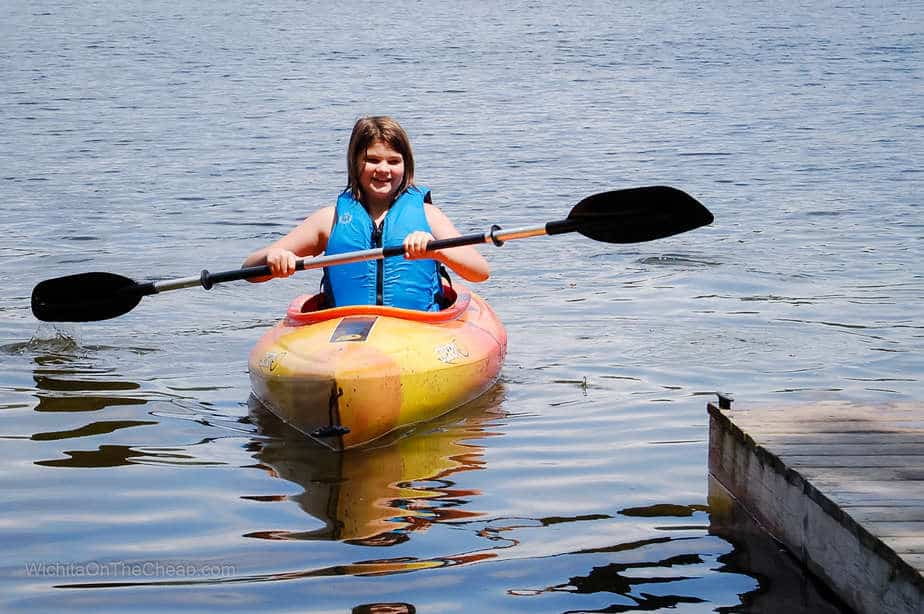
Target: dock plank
911, 530
809, 460
917, 560
821, 426
862, 473
880, 448
886, 513
890, 490
911, 545
851, 438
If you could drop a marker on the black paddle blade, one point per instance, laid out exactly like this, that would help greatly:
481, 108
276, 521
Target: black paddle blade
636, 214
86, 297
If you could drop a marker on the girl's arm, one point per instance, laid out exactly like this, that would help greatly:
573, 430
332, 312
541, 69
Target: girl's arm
465, 260
307, 239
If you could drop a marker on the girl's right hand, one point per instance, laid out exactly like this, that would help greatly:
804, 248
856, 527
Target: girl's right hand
281, 261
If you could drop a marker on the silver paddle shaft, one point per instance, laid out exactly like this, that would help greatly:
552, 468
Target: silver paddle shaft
205, 279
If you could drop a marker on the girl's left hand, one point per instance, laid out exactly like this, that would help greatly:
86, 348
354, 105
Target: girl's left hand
415, 245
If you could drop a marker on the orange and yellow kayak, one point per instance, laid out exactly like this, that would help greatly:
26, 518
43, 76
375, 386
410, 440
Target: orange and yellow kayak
349, 375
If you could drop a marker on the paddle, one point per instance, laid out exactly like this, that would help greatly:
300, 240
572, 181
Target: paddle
620, 216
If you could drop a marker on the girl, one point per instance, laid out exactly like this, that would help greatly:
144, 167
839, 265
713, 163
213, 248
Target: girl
380, 207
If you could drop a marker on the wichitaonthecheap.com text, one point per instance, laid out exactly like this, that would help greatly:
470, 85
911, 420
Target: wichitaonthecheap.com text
129, 569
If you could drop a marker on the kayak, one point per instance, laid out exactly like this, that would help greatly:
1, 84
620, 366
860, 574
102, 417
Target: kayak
347, 376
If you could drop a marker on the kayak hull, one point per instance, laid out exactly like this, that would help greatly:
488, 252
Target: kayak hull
348, 376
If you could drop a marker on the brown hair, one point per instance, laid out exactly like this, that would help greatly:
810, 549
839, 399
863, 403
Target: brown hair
366, 132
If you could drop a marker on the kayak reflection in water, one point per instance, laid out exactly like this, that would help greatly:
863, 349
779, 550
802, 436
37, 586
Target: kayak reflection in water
381, 207
377, 497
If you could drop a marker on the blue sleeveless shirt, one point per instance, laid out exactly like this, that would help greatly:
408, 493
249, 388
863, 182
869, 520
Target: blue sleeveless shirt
396, 281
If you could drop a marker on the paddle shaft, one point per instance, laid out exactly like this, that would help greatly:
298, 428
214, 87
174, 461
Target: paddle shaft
496, 235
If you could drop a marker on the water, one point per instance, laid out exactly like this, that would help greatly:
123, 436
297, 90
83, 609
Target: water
153, 139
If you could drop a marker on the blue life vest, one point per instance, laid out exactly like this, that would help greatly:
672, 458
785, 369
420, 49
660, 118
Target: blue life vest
396, 281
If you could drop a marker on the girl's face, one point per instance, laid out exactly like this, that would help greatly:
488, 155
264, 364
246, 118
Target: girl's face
382, 173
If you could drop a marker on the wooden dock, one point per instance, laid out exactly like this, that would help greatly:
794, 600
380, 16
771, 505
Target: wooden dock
840, 485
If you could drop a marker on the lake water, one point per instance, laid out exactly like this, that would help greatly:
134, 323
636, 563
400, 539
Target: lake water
154, 139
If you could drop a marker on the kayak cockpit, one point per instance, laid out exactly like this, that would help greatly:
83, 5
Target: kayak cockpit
309, 309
